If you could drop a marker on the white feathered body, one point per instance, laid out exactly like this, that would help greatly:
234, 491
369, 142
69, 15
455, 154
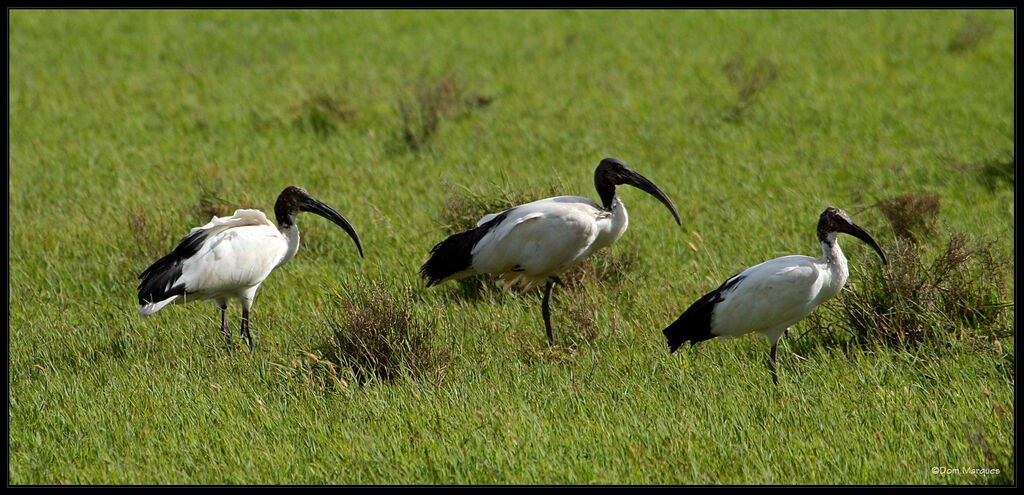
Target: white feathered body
776, 294
542, 239
235, 257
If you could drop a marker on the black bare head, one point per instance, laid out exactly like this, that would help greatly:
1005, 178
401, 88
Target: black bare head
295, 199
612, 172
836, 220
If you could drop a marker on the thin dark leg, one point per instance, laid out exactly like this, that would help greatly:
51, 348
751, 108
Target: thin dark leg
245, 328
545, 308
224, 330
775, 376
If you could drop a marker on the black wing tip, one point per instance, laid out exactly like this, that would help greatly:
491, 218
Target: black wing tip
673, 345
455, 253
425, 273
694, 325
155, 293
437, 266
160, 280
676, 338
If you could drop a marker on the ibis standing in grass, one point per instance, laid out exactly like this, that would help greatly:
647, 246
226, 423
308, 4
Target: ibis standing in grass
532, 244
769, 297
230, 257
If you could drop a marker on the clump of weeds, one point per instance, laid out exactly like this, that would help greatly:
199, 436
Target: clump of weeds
749, 80
955, 292
150, 239
1004, 172
377, 335
322, 112
912, 216
429, 104
972, 32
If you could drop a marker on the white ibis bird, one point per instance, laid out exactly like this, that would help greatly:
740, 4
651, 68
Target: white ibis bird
531, 244
770, 297
230, 257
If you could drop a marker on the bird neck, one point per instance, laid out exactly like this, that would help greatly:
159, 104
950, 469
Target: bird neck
606, 190
616, 207
833, 257
291, 235
611, 225
285, 216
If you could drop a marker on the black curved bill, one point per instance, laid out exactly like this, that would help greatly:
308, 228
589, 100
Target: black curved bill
313, 206
859, 233
642, 183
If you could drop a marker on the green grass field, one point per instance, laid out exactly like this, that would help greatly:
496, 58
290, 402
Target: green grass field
126, 129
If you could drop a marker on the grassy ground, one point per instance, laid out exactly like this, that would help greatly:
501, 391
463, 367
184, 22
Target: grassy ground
126, 129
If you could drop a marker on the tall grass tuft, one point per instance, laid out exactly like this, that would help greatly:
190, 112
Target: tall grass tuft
996, 173
321, 112
430, 104
609, 265
464, 208
924, 296
211, 203
577, 323
973, 31
749, 80
377, 336
912, 215
150, 239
